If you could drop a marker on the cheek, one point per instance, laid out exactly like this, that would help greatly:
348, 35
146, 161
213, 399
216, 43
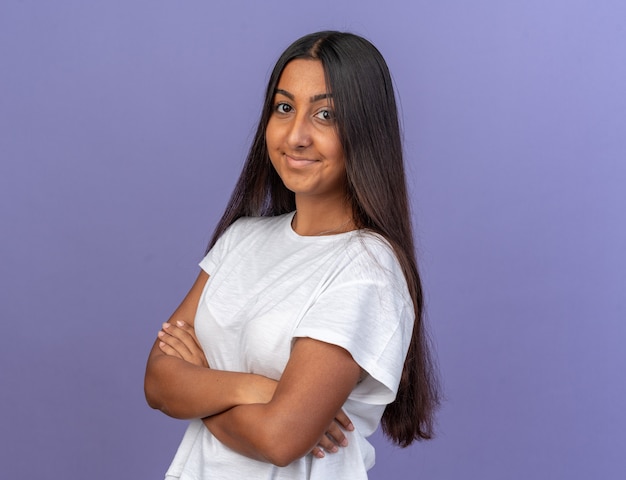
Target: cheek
335, 151
333, 145
272, 136
271, 145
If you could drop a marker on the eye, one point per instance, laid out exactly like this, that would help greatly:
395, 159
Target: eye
283, 108
326, 115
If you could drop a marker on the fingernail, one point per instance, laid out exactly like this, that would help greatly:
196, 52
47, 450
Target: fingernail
166, 325
344, 442
334, 449
161, 344
161, 333
320, 454
180, 323
350, 427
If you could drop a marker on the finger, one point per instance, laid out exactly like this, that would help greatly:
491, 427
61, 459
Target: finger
328, 444
337, 436
168, 350
192, 334
185, 333
317, 452
344, 421
168, 337
196, 347
189, 330
174, 347
185, 343
182, 336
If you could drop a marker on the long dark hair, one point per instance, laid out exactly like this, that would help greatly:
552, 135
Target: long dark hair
367, 123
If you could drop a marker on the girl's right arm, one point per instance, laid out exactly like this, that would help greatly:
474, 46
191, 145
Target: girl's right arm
183, 385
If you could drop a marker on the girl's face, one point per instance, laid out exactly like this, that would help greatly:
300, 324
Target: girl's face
301, 135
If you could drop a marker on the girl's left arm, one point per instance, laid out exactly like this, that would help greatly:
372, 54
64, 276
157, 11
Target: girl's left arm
315, 384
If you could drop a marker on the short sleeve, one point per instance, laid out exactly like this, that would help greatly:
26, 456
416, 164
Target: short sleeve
366, 309
229, 238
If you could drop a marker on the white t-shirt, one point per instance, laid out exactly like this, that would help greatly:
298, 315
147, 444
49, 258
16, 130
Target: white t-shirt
267, 286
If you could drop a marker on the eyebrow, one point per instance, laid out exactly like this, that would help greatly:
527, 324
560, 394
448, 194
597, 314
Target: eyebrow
313, 99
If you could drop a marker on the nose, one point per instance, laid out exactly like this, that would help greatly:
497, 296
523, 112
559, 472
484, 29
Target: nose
299, 134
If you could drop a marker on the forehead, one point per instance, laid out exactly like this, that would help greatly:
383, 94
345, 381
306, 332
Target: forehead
303, 77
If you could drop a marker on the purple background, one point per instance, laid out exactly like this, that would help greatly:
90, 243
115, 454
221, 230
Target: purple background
123, 125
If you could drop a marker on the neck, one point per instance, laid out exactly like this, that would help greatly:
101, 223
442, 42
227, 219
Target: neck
320, 217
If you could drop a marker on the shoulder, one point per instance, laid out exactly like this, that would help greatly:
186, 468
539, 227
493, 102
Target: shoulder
244, 226
241, 235
264, 222
371, 260
370, 250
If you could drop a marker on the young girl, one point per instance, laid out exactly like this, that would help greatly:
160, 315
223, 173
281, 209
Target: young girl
303, 330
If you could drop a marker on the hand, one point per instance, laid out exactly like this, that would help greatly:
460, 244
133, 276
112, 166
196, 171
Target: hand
179, 340
334, 436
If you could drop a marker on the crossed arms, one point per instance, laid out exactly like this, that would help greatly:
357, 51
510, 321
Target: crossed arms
276, 422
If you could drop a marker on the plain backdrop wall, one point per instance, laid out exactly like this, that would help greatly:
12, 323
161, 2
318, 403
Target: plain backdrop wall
123, 125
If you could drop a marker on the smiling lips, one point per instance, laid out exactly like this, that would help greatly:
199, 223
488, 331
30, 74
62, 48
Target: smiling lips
295, 162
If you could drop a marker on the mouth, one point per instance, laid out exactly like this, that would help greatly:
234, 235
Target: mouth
298, 162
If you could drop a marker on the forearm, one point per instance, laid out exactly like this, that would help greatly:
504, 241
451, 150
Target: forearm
182, 390
305, 402
262, 432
